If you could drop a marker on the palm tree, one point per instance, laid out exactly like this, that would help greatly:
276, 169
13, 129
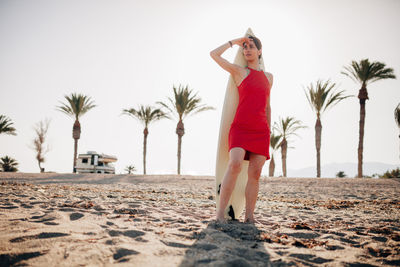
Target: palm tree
77, 105
6, 126
341, 174
364, 73
322, 96
146, 115
130, 169
274, 143
286, 128
8, 164
183, 105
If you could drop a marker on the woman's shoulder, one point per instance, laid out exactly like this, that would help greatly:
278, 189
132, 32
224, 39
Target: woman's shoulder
268, 74
270, 77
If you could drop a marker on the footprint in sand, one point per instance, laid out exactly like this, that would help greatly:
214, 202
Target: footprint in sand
43, 235
37, 202
281, 252
46, 219
174, 244
379, 252
168, 219
349, 241
333, 247
140, 239
190, 229
11, 259
75, 216
303, 235
8, 206
26, 206
129, 233
111, 242
130, 211
309, 258
379, 238
123, 252
66, 209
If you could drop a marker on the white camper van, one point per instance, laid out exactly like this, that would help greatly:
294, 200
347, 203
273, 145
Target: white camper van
92, 162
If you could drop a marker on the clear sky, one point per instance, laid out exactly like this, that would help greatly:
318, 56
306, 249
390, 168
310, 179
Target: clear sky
126, 53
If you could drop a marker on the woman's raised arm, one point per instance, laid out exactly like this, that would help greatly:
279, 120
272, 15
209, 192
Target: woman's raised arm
225, 64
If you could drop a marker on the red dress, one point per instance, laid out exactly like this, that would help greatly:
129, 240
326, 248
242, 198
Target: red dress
249, 129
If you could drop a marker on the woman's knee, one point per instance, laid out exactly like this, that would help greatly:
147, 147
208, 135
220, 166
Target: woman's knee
235, 166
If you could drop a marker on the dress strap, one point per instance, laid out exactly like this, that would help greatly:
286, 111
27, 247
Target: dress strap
248, 72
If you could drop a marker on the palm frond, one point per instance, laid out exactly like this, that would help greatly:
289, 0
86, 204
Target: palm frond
335, 98
6, 126
366, 72
275, 141
288, 127
76, 105
322, 96
397, 115
145, 114
66, 109
352, 71
167, 107
8, 164
200, 109
184, 103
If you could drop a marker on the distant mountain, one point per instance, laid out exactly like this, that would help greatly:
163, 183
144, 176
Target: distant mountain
350, 169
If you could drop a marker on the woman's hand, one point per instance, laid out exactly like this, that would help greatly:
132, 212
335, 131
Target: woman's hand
241, 41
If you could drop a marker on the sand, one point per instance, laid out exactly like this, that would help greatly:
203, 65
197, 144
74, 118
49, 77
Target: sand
168, 220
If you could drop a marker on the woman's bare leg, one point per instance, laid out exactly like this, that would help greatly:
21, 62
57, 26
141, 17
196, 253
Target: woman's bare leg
236, 156
256, 164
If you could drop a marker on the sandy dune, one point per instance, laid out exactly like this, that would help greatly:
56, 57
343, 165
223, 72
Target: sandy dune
103, 220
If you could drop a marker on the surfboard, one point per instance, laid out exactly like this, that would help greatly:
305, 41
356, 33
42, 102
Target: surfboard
237, 201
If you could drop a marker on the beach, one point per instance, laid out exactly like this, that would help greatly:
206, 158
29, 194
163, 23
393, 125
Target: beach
53, 219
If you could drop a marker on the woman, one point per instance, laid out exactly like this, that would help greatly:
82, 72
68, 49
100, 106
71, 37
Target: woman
249, 133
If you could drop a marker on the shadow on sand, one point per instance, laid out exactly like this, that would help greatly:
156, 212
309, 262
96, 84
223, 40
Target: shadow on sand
227, 244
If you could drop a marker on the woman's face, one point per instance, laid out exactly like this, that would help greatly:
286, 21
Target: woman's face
250, 51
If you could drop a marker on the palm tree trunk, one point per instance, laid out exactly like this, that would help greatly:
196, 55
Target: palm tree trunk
76, 134
145, 133
283, 152
361, 140
271, 167
75, 152
179, 153
180, 131
363, 96
318, 130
